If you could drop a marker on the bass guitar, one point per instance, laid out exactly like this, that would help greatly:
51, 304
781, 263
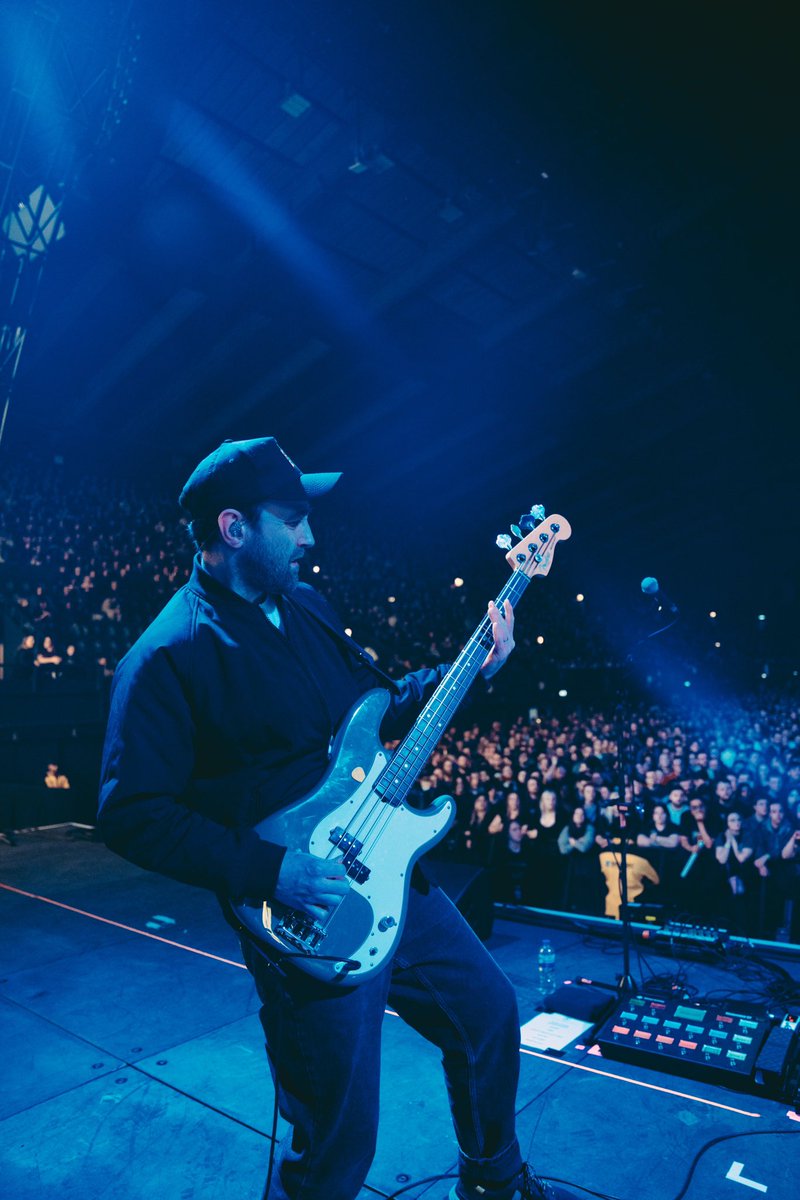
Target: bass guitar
359, 812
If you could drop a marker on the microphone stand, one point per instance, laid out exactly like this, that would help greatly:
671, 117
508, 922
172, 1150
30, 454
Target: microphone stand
626, 985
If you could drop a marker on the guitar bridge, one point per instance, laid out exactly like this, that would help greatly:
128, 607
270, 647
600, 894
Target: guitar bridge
301, 932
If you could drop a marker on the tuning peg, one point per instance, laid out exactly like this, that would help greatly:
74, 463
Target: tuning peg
503, 541
517, 532
529, 520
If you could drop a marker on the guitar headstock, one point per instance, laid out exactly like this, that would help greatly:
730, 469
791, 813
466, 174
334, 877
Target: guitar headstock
533, 554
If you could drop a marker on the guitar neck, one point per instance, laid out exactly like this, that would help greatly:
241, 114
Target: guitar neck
400, 775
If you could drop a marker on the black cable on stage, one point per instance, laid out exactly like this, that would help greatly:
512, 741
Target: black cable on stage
567, 1183
729, 1137
274, 1131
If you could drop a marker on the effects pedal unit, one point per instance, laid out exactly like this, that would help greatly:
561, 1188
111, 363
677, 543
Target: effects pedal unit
719, 1044
697, 937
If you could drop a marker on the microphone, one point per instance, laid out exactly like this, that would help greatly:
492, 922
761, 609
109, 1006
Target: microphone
650, 588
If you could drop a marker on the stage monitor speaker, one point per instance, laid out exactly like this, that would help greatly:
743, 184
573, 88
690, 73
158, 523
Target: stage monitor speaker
470, 890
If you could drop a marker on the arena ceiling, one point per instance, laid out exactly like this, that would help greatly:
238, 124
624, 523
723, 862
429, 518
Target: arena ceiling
478, 255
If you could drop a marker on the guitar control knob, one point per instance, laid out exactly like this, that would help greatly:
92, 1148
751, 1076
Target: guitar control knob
386, 923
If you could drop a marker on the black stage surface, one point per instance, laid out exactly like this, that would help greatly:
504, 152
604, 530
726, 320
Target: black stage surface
134, 1065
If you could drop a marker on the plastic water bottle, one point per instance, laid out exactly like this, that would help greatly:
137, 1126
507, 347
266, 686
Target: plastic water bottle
546, 963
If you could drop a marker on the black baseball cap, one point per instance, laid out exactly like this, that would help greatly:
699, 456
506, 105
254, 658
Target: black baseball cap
241, 474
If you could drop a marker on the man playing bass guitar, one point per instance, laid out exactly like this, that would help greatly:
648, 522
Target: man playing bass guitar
222, 717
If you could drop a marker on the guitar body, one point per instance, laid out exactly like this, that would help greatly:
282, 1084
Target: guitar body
360, 935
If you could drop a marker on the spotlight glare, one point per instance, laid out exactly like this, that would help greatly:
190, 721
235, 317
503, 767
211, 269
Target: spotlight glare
562, 691
458, 581
717, 644
580, 597
686, 683
712, 614
540, 640
391, 599
315, 569
349, 632
762, 617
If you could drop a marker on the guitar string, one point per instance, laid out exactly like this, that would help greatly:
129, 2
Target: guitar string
383, 815
375, 805
513, 590
418, 743
425, 733
379, 809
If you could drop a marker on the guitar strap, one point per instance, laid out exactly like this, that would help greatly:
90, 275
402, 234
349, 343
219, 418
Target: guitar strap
311, 603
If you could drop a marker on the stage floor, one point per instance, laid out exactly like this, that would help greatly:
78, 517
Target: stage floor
134, 1067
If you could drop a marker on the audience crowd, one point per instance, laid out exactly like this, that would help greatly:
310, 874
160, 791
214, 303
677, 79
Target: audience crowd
710, 813
83, 569
710, 807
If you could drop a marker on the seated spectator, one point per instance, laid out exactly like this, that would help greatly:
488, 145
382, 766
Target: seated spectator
700, 876
532, 788
734, 854
677, 806
576, 836
697, 829
512, 811
658, 831
725, 798
481, 828
22, 664
577, 843
47, 661
591, 811
510, 865
54, 778
548, 867
754, 823
775, 851
659, 841
732, 850
608, 820
775, 787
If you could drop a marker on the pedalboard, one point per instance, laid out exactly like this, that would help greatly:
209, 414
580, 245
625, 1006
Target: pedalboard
719, 1044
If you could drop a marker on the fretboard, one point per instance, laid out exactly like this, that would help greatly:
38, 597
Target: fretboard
400, 775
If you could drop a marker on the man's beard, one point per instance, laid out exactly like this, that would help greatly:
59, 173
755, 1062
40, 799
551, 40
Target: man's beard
269, 571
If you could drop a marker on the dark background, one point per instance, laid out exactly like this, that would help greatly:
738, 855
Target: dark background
566, 274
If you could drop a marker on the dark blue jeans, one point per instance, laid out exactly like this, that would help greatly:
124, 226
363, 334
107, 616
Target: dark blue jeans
324, 1047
